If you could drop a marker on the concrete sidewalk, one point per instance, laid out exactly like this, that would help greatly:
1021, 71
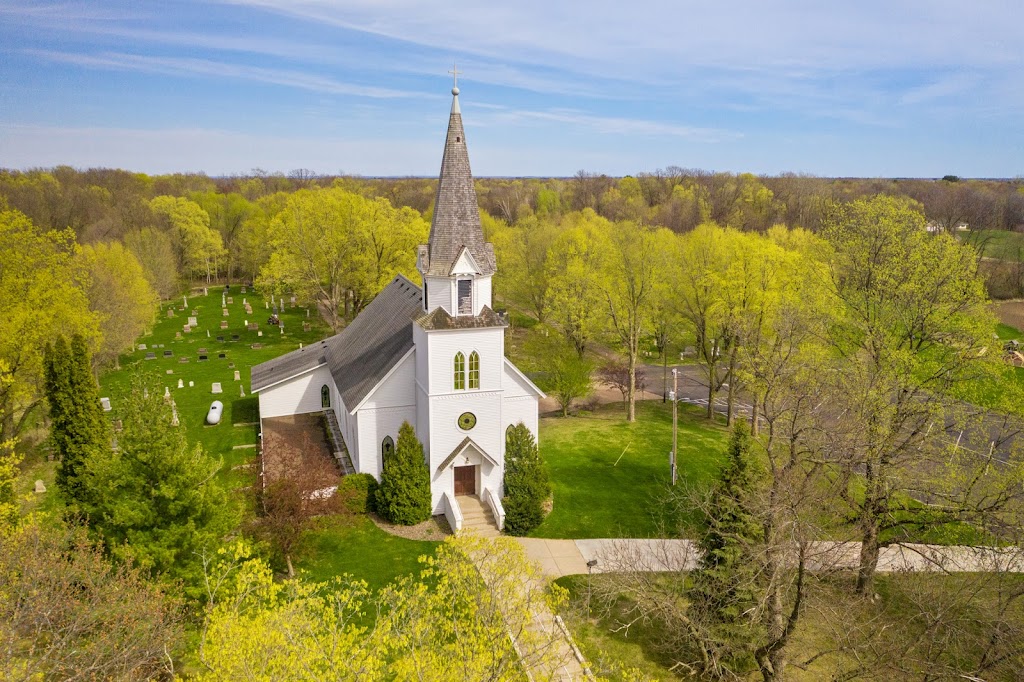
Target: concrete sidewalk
558, 558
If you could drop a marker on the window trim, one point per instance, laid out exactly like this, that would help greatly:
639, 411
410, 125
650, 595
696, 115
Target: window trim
459, 373
458, 298
384, 451
325, 397
474, 370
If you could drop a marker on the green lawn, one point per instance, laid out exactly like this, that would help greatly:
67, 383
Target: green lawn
356, 546
607, 474
1001, 244
234, 439
1005, 332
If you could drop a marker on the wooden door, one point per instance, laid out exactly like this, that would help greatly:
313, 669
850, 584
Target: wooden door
465, 480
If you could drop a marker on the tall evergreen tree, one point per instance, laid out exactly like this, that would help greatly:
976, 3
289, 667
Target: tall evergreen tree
78, 431
156, 501
725, 585
526, 482
404, 493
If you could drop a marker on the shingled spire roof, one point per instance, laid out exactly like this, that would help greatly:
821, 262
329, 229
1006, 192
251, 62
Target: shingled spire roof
456, 223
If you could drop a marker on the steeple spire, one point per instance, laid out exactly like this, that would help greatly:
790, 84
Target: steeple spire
456, 222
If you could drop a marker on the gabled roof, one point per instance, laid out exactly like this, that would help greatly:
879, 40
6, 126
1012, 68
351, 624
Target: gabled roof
439, 318
456, 221
459, 449
363, 352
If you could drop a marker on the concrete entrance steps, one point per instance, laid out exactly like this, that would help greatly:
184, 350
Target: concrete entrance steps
477, 517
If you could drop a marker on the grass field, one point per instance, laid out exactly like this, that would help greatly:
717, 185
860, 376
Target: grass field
607, 474
1000, 244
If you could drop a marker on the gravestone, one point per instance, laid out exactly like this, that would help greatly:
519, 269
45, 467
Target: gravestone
181, 383
195, 312
105, 402
238, 375
216, 388
224, 324
186, 329
201, 350
167, 392
266, 305
234, 337
40, 487
177, 335
241, 391
193, 322
292, 299
225, 311
253, 327
170, 371
221, 356
307, 312
231, 365
281, 327
118, 426
191, 384
231, 300
259, 333
203, 358
151, 355
207, 333
170, 312
244, 302
257, 346
184, 298
168, 353
306, 326
182, 360
142, 346
220, 339
244, 290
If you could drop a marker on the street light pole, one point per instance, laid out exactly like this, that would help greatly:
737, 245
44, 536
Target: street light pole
675, 421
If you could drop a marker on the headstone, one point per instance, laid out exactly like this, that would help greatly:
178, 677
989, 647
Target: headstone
177, 335
282, 329
182, 360
259, 333
185, 298
201, 350
167, 392
224, 324
231, 300
253, 327
191, 384
225, 311
168, 353
306, 326
192, 321
186, 329
142, 346
174, 413
205, 292
238, 375
241, 391
257, 346
195, 312
234, 337
266, 305
105, 402
216, 388
203, 358
170, 312
292, 301
118, 426
244, 302
223, 300
207, 333
170, 371
231, 365
40, 487
220, 339
151, 355
181, 383
244, 290
221, 356
307, 312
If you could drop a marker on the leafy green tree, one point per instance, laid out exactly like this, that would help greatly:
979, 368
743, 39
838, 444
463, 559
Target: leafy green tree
200, 247
526, 482
120, 295
42, 298
404, 493
155, 254
575, 266
78, 431
154, 500
9, 461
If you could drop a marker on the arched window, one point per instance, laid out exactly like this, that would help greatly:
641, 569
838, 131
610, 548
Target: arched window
325, 397
474, 370
460, 371
387, 448
508, 431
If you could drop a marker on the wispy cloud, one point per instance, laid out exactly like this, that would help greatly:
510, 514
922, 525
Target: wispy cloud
177, 66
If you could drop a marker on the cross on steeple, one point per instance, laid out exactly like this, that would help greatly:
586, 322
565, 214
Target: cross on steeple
455, 73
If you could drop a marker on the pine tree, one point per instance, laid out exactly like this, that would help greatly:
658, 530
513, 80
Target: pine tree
78, 431
526, 482
404, 493
155, 500
725, 583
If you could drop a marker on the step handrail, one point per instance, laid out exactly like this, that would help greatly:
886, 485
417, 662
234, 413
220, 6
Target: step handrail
452, 512
497, 509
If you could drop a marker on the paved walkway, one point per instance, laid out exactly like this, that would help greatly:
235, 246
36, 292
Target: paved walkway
558, 558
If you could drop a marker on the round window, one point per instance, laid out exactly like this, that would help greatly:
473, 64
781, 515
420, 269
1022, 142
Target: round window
467, 420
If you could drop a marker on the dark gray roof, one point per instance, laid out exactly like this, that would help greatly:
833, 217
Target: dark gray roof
456, 222
440, 319
363, 352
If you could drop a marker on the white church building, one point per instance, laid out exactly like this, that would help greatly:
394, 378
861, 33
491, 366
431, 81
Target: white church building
431, 355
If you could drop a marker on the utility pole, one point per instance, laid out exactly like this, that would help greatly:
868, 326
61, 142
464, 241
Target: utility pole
675, 421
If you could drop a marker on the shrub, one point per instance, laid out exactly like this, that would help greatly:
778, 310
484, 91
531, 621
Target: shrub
526, 482
357, 492
404, 493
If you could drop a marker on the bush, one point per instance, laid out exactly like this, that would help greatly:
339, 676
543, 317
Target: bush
526, 482
357, 492
404, 493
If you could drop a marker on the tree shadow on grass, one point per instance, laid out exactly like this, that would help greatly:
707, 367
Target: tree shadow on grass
245, 410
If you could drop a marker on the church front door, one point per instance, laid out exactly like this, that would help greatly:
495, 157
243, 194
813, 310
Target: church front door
465, 480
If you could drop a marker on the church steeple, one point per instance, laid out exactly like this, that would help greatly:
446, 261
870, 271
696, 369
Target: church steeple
455, 228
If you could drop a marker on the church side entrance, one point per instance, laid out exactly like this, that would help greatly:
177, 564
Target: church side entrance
465, 480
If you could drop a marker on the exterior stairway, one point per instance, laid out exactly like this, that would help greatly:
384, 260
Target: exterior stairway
338, 443
477, 517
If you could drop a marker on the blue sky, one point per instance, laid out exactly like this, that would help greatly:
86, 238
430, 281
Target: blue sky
866, 88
